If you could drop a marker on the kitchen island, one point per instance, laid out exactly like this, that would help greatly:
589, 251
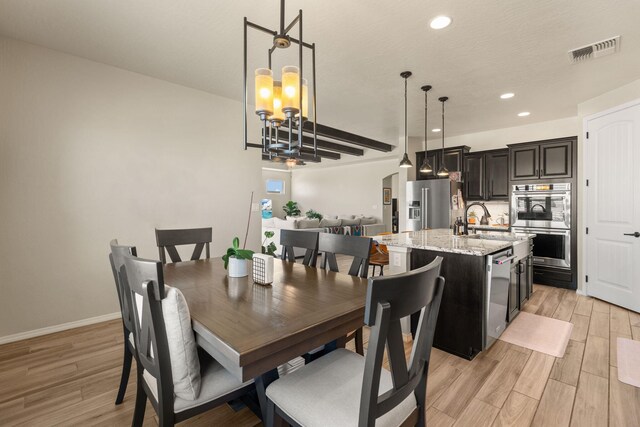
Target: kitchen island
479, 288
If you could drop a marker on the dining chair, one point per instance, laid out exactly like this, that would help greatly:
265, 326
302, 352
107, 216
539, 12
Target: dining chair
170, 364
378, 257
357, 247
290, 239
167, 240
344, 388
116, 258
336, 244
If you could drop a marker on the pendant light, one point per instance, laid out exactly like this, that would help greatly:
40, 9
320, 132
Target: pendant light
405, 162
443, 171
425, 167
283, 99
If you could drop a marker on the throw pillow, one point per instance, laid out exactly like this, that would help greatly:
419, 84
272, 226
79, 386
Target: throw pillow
284, 224
185, 365
368, 221
308, 223
325, 222
346, 222
343, 216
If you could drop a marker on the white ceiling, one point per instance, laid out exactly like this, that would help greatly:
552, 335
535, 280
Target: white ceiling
492, 46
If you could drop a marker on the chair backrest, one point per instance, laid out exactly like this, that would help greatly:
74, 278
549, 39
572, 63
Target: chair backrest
116, 258
355, 246
143, 282
308, 240
169, 239
389, 299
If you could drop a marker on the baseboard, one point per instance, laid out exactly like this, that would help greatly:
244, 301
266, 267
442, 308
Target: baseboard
581, 292
58, 328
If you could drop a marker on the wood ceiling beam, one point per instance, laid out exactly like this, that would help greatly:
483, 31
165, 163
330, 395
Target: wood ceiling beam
348, 137
309, 151
283, 135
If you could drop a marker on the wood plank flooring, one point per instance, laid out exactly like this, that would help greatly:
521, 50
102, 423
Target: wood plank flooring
71, 377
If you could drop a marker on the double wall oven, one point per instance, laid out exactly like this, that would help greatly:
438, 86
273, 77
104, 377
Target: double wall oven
545, 210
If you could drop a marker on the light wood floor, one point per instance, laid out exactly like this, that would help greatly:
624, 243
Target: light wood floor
71, 378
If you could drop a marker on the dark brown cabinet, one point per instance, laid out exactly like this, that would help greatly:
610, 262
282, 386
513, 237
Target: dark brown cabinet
497, 173
474, 176
486, 175
542, 159
453, 161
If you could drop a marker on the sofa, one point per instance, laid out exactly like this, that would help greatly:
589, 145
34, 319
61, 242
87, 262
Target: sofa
355, 225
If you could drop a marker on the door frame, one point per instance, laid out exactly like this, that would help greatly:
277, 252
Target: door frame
585, 199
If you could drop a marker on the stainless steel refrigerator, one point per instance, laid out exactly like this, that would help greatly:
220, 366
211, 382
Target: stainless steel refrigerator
429, 203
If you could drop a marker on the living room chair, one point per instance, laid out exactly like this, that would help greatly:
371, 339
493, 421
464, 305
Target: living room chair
171, 368
116, 259
167, 240
290, 239
346, 389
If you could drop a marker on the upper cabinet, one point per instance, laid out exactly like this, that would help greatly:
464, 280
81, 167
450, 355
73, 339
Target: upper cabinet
497, 167
542, 159
453, 161
486, 175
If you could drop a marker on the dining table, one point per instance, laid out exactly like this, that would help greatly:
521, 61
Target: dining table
251, 329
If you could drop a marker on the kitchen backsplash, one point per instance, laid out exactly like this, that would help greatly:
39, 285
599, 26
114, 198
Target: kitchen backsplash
499, 213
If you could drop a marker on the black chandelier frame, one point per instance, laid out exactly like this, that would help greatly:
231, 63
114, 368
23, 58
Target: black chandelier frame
279, 151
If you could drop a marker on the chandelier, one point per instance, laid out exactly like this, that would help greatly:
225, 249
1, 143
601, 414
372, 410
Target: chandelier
282, 101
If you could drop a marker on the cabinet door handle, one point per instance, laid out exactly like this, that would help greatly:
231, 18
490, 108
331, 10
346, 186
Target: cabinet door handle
636, 234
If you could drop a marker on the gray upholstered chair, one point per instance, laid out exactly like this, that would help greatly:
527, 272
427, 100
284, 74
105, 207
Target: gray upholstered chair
116, 259
308, 240
167, 240
162, 330
346, 389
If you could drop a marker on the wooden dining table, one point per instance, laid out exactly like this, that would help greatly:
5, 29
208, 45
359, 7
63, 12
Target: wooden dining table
251, 329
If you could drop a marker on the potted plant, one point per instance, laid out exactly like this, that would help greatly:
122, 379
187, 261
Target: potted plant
311, 214
269, 249
236, 260
291, 208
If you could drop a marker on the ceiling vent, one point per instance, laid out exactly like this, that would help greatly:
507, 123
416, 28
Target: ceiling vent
595, 50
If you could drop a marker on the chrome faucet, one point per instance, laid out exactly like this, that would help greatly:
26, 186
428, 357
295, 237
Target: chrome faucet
483, 221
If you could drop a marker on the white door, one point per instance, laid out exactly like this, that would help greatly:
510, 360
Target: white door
613, 206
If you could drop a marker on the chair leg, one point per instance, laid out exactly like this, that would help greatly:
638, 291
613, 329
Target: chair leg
359, 342
382, 270
273, 418
124, 378
141, 404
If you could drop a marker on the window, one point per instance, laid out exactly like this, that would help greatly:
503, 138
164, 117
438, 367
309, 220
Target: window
275, 186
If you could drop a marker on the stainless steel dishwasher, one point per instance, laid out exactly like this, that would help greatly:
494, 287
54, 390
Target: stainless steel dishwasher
497, 296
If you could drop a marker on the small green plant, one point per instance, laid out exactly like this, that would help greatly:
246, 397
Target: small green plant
270, 249
311, 214
236, 252
291, 208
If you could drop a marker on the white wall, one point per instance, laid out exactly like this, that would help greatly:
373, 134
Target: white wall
278, 200
344, 189
89, 153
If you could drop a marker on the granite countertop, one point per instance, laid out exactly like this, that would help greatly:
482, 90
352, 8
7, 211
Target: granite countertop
501, 228
443, 240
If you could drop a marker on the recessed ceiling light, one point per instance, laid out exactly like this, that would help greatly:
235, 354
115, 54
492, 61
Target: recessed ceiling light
436, 130
524, 114
440, 22
507, 95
